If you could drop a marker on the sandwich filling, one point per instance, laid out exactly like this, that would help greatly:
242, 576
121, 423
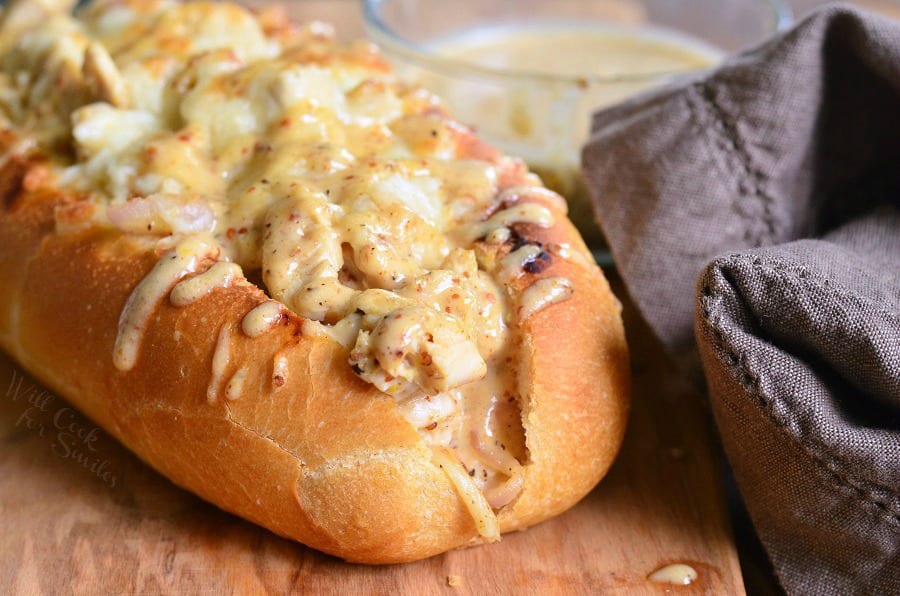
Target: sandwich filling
243, 144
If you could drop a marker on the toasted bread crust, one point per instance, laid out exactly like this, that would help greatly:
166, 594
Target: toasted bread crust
321, 456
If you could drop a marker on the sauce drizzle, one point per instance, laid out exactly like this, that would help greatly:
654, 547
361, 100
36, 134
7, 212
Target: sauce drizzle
542, 294
174, 264
236, 385
677, 574
192, 289
262, 318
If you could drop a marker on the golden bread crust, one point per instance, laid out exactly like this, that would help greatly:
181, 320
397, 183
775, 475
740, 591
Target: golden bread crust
576, 384
426, 357
325, 458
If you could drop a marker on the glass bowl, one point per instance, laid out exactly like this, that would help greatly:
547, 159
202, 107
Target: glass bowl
527, 74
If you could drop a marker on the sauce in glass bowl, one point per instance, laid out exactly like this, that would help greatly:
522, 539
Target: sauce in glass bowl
546, 122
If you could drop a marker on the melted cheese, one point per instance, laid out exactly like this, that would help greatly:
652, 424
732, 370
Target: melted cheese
234, 136
542, 294
220, 275
235, 385
174, 264
513, 265
220, 362
262, 318
533, 213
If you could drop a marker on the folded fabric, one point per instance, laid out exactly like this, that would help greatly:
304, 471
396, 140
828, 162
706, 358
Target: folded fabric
755, 212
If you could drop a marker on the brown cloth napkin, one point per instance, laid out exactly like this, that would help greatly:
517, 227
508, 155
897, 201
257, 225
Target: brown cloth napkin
755, 212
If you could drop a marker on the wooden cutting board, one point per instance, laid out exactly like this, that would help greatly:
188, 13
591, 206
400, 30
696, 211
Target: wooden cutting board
80, 514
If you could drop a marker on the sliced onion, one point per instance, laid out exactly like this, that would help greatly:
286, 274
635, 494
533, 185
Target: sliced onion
488, 448
503, 494
134, 215
485, 519
183, 217
162, 214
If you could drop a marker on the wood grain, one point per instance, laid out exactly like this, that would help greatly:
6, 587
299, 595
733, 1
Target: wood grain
80, 514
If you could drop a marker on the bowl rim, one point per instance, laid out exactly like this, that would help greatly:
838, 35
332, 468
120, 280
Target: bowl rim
385, 36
